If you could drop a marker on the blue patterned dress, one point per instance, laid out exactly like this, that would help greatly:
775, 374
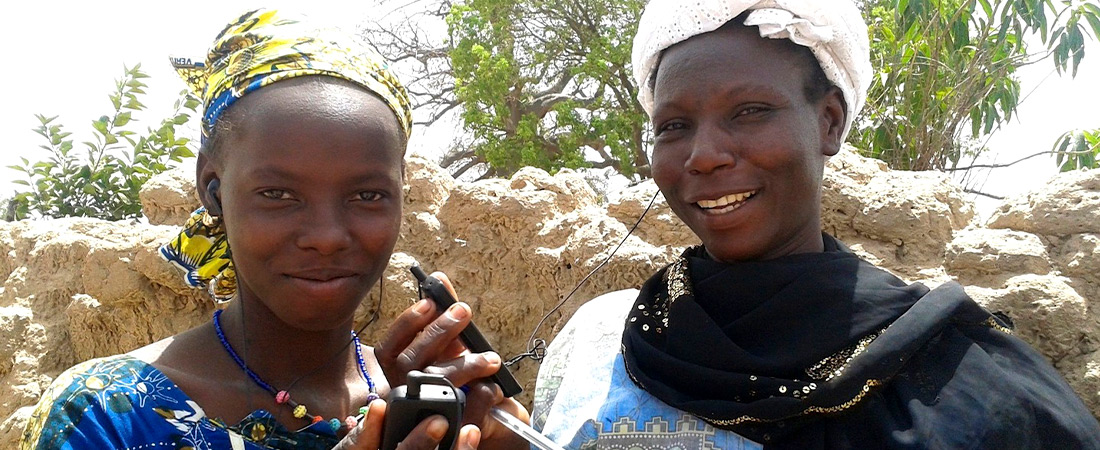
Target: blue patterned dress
120, 402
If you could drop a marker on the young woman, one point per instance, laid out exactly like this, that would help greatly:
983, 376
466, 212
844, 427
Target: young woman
771, 334
300, 173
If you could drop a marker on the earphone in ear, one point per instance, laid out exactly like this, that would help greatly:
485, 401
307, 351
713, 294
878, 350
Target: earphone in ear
215, 206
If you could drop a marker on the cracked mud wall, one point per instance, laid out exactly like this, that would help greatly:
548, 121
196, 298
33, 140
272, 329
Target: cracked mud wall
74, 289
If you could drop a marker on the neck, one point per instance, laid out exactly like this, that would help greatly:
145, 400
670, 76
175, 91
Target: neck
282, 354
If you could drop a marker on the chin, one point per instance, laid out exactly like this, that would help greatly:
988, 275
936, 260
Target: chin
320, 323
731, 247
726, 255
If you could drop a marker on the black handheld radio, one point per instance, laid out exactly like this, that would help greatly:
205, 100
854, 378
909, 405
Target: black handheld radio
471, 336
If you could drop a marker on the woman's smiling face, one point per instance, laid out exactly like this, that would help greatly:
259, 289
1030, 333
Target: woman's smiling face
740, 146
311, 192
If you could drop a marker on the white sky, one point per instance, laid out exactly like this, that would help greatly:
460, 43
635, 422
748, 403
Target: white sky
63, 58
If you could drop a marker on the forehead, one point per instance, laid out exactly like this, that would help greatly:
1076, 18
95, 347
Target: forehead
732, 53
314, 96
309, 121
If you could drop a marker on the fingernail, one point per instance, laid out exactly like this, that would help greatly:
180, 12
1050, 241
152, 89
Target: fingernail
458, 312
474, 438
437, 428
370, 408
422, 307
491, 357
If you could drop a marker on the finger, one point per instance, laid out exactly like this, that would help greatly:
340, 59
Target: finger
455, 349
469, 437
467, 368
494, 431
436, 338
398, 337
368, 434
446, 283
480, 397
426, 435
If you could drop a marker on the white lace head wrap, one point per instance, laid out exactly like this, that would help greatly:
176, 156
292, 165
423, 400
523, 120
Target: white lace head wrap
832, 29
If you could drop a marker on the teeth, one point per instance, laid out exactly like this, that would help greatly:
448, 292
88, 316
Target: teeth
725, 200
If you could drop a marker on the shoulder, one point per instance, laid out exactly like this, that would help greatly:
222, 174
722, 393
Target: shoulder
176, 347
974, 378
579, 359
75, 393
609, 308
598, 320
86, 405
178, 357
99, 374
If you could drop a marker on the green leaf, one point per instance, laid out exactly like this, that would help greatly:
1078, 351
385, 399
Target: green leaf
122, 119
986, 8
101, 125
1094, 22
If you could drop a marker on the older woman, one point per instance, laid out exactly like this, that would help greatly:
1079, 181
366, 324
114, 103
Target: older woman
300, 172
771, 334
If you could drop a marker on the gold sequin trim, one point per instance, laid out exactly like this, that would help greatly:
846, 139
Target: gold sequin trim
678, 285
833, 366
677, 279
992, 323
812, 409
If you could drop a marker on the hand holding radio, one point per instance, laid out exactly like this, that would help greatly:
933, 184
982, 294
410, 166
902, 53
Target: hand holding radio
427, 337
428, 434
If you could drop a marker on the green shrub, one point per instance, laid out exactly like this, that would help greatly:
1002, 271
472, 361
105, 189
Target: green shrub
104, 180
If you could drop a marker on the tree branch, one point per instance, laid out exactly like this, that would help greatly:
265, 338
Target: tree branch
998, 166
983, 194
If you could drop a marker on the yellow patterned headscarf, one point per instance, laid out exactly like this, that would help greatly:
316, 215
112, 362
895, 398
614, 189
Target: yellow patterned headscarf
255, 50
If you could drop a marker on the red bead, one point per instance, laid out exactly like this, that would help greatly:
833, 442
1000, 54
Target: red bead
282, 397
317, 419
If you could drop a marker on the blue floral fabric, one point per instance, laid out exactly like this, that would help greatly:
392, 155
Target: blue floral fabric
120, 402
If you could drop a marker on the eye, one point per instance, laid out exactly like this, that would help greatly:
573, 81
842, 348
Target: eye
751, 110
670, 126
370, 196
276, 194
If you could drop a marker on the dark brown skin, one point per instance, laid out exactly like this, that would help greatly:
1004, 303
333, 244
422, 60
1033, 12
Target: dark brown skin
731, 116
311, 193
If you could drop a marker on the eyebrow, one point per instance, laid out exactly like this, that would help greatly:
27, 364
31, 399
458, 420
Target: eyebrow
732, 91
269, 172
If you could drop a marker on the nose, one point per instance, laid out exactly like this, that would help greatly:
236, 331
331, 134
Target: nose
325, 231
711, 150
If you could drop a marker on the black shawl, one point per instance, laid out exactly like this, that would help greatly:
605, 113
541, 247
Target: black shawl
825, 350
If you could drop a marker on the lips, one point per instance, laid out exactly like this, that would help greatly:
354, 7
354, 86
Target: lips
322, 274
725, 203
324, 282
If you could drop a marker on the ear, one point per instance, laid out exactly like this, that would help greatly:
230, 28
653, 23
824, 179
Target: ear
206, 172
834, 116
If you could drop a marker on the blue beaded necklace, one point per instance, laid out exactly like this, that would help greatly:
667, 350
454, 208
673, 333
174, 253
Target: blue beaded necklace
283, 397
